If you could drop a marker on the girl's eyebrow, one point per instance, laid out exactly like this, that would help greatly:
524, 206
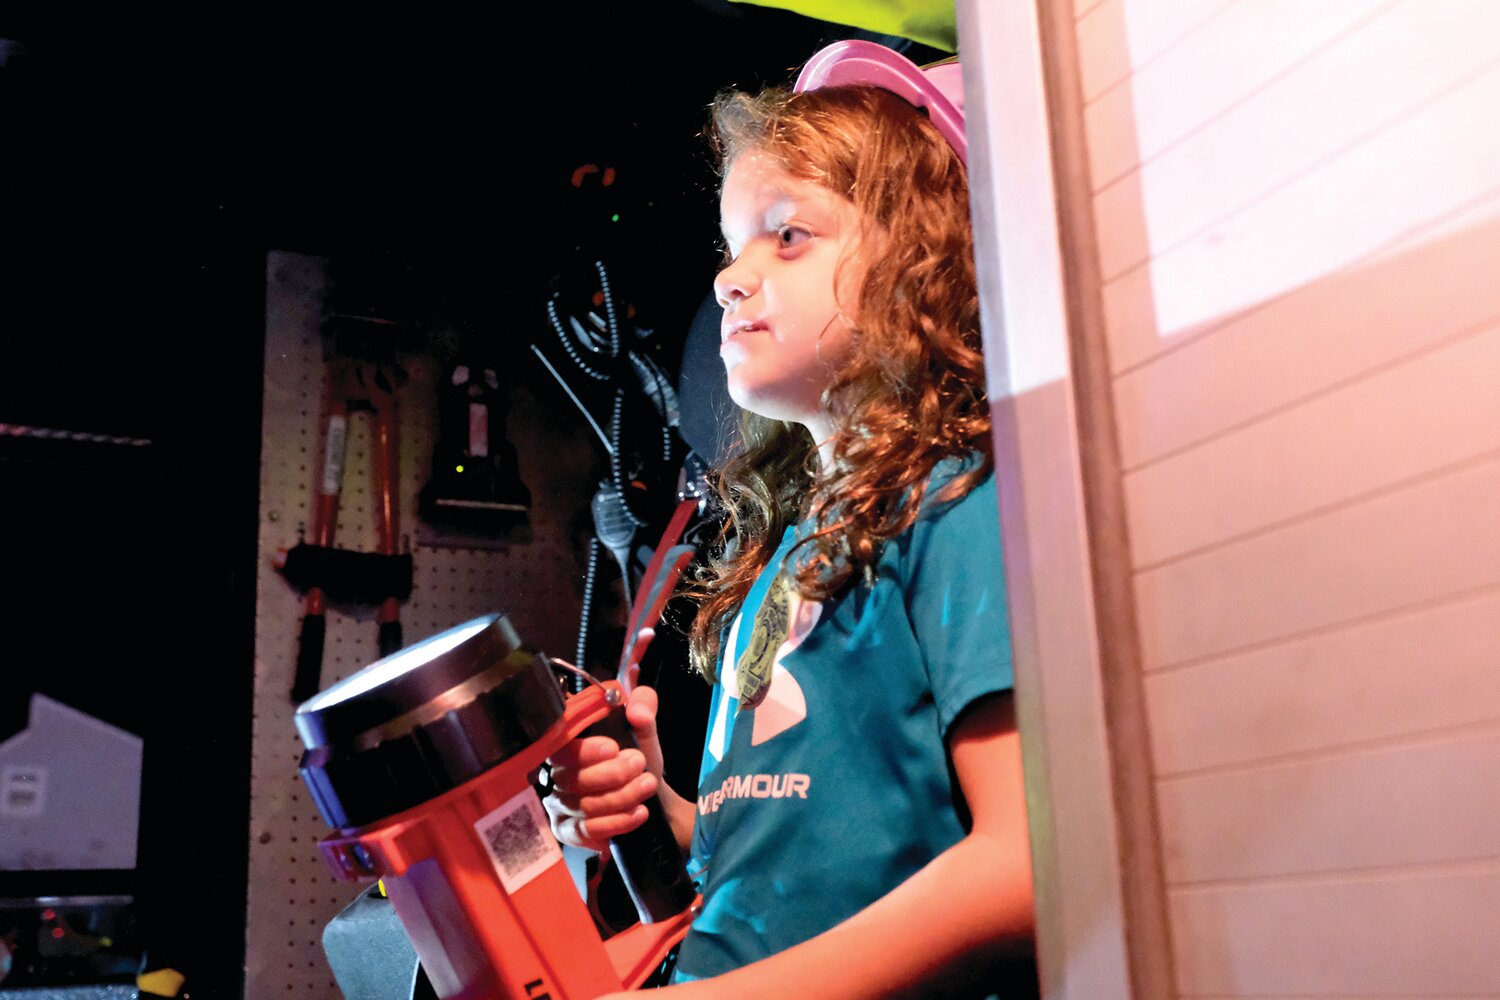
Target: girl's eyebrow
769, 202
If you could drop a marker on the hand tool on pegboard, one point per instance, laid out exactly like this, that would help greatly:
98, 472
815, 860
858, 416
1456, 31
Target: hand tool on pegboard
363, 376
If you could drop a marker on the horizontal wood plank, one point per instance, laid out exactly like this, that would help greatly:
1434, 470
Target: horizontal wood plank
1117, 38
1408, 804
1417, 935
1410, 673
1437, 283
1405, 421
1438, 539
1082, 7
1336, 98
1427, 165
1229, 57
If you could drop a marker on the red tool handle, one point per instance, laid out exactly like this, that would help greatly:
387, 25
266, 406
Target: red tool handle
307, 680
387, 461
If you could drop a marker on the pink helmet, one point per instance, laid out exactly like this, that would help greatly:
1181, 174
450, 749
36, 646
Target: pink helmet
937, 88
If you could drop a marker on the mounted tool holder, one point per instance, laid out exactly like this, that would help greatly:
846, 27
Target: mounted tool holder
476, 485
363, 376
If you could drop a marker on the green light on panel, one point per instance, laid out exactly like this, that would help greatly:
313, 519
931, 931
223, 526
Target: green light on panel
458, 468
615, 217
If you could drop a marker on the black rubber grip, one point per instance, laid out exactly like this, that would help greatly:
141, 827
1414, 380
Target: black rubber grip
309, 658
651, 864
389, 638
345, 575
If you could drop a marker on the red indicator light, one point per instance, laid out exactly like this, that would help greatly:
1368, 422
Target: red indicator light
49, 914
57, 932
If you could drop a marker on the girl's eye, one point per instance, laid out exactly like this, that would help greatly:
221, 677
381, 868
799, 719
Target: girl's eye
790, 236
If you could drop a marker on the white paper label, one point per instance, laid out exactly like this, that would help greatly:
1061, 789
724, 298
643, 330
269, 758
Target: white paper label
333, 454
519, 840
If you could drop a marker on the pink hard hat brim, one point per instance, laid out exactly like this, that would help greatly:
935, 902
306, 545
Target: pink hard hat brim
938, 89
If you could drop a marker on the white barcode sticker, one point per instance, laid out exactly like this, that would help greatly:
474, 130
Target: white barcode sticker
23, 790
519, 840
333, 454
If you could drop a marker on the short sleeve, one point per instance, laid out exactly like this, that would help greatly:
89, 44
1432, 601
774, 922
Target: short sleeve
955, 595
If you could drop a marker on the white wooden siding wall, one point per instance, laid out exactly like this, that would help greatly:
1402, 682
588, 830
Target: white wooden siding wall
292, 895
1298, 219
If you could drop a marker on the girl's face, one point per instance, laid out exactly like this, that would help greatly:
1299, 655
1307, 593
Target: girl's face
783, 334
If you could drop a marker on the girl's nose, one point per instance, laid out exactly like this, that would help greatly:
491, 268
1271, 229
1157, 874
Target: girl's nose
737, 281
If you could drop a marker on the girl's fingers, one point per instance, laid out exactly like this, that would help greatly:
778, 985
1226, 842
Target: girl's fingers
598, 789
641, 711
604, 777
595, 831
579, 755
582, 752
617, 800
573, 823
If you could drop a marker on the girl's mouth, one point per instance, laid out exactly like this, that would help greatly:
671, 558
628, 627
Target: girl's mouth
739, 327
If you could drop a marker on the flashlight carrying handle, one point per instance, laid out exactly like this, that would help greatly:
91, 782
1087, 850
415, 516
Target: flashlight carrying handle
651, 864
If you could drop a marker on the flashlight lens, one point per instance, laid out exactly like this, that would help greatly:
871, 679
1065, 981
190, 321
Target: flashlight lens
393, 666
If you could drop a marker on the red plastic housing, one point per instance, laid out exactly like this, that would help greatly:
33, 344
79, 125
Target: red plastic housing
481, 889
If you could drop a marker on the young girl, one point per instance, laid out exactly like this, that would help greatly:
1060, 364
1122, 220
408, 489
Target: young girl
860, 827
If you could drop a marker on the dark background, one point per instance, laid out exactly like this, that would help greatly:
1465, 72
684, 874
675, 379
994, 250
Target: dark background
145, 170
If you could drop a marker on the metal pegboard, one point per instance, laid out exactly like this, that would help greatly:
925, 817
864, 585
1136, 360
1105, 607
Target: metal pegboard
538, 583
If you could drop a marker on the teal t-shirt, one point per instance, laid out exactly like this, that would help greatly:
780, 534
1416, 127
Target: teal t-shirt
837, 786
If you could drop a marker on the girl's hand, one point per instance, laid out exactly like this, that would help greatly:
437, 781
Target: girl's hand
599, 789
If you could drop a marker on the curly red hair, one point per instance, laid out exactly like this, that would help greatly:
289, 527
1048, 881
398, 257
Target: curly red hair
914, 392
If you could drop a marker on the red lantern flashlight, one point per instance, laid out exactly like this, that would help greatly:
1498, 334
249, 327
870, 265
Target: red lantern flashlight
423, 763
